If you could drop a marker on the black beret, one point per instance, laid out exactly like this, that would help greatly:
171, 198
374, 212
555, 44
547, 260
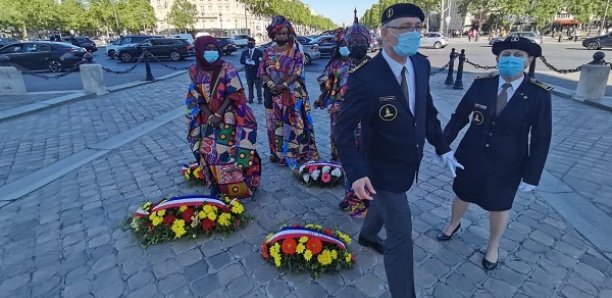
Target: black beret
401, 10
518, 43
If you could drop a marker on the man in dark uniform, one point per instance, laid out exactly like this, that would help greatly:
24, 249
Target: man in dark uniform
389, 96
507, 142
250, 58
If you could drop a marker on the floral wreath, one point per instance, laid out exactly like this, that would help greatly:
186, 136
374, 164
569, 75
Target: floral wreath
320, 173
309, 248
189, 216
193, 174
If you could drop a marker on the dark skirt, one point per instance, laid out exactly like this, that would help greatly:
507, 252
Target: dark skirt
489, 191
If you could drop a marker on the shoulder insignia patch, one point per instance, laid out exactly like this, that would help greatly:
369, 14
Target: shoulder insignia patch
360, 65
540, 84
487, 75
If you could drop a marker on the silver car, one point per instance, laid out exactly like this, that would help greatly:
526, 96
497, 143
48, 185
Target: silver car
534, 37
434, 40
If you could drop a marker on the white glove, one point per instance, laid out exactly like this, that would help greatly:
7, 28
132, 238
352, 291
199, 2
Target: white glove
250, 62
524, 187
449, 160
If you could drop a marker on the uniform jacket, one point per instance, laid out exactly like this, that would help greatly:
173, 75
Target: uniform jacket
501, 145
251, 70
392, 139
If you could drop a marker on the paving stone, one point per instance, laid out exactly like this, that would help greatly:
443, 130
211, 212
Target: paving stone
80, 289
205, 284
443, 290
371, 286
140, 279
278, 288
171, 283
499, 288
167, 267
14, 283
44, 288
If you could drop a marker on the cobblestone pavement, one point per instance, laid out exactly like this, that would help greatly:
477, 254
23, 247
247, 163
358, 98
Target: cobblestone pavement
53, 134
68, 239
13, 101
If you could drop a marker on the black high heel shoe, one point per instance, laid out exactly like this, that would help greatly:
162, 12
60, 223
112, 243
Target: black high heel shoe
444, 237
488, 265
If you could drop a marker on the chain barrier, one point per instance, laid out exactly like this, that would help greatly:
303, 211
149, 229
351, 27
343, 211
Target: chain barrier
562, 71
25, 71
119, 72
169, 66
443, 68
476, 65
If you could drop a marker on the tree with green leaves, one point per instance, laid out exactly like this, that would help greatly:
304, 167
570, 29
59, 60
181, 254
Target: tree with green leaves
293, 10
182, 15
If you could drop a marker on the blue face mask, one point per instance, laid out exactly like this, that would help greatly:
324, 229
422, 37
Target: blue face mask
344, 51
211, 56
510, 66
407, 44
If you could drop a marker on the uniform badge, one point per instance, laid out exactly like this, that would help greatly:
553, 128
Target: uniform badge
389, 12
477, 105
477, 117
387, 112
514, 38
386, 98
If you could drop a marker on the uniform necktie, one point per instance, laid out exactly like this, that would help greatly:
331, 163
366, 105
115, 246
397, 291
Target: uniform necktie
405, 85
502, 98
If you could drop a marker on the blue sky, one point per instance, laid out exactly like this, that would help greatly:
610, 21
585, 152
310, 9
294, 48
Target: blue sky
340, 11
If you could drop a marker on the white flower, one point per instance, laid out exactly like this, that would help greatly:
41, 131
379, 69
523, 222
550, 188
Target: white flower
315, 174
306, 178
302, 169
336, 172
134, 224
326, 169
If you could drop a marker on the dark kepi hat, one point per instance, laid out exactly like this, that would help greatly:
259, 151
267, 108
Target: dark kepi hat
517, 43
401, 10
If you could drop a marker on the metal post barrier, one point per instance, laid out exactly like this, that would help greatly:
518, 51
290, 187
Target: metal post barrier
532, 65
148, 66
459, 80
451, 68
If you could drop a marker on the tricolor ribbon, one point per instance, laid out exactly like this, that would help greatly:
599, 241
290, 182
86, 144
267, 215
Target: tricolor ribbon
321, 164
301, 232
189, 200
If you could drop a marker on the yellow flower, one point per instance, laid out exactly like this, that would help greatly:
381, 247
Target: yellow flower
161, 212
334, 254
300, 248
202, 215
237, 208
348, 257
277, 262
325, 258
183, 208
212, 216
307, 255
186, 175
224, 219
178, 227
303, 239
344, 237
146, 206
309, 226
155, 220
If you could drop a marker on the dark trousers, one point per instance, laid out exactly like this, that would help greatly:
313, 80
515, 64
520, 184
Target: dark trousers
392, 211
257, 82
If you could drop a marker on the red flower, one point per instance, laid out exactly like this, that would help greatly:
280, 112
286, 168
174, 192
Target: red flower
187, 215
326, 177
328, 232
314, 245
311, 169
353, 258
208, 225
288, 246
169, 219
264, 251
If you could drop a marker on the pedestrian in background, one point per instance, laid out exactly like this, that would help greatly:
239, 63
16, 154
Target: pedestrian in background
506, 145
251, 58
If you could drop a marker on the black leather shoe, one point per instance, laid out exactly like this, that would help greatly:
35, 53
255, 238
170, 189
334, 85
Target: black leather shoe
375, 245
444, 237
488, 265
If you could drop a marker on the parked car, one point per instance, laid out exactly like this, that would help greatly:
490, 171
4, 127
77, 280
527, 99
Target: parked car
311, 51
326, 44
130, 40
43, 55
303, 39
83, 42
227, 45
4, 41
375, 45
435, 40
534, 37
598, 42
188, 37
173, 48
241, 40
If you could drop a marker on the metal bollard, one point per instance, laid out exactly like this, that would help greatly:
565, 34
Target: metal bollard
459, 80
451, 68
148, 66
531, 73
